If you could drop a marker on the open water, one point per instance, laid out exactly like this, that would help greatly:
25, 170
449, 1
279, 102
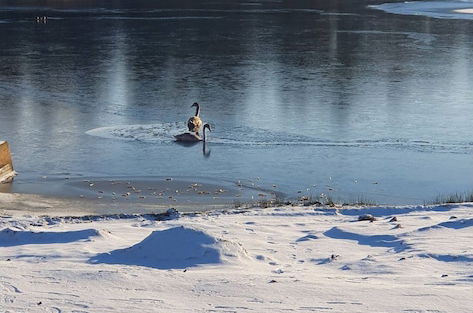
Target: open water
333, 97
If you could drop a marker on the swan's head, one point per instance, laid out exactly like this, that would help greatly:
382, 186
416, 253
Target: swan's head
208, 127
195, 104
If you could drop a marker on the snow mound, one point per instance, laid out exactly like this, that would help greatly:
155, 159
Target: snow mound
175, 248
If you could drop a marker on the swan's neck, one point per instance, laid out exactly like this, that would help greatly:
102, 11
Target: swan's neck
203, 138
197, 110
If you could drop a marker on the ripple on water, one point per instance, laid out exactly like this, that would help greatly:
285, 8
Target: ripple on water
248, 136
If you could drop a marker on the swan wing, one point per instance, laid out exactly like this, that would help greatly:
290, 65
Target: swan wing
187, 137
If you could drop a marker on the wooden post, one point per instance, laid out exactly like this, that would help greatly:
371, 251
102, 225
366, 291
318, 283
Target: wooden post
6, 165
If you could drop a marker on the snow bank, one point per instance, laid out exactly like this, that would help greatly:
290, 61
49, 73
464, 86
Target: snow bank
303, 259
173, 248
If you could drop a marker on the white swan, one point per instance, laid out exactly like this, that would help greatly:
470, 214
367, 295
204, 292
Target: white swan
194, 123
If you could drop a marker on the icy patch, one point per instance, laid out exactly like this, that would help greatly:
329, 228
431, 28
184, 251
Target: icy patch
435, 9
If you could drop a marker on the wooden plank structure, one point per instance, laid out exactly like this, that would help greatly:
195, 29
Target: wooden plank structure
6, 165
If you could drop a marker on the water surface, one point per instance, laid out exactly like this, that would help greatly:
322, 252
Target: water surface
309, 96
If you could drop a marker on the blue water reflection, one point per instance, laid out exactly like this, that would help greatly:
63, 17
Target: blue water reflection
327, 95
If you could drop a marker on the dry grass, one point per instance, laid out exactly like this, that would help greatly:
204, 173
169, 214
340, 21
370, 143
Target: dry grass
453, 198
320, 200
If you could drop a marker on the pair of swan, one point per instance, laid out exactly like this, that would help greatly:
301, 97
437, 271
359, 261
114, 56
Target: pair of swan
194, 124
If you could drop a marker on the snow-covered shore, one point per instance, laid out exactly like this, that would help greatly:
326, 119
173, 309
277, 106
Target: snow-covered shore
301, 259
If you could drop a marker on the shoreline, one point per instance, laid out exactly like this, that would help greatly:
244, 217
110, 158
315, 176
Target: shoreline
130, 195
66, 205
16, 204
24, 204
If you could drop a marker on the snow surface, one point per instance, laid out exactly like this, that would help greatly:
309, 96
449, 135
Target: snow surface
288, 259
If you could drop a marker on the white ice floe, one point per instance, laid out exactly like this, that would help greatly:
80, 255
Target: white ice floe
436, 9
302, 259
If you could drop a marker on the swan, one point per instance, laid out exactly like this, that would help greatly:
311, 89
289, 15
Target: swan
192, 137
194, 123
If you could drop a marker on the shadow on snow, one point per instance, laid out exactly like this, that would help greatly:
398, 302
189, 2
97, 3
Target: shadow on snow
9, 237
463, 223
448, 257
387, 241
